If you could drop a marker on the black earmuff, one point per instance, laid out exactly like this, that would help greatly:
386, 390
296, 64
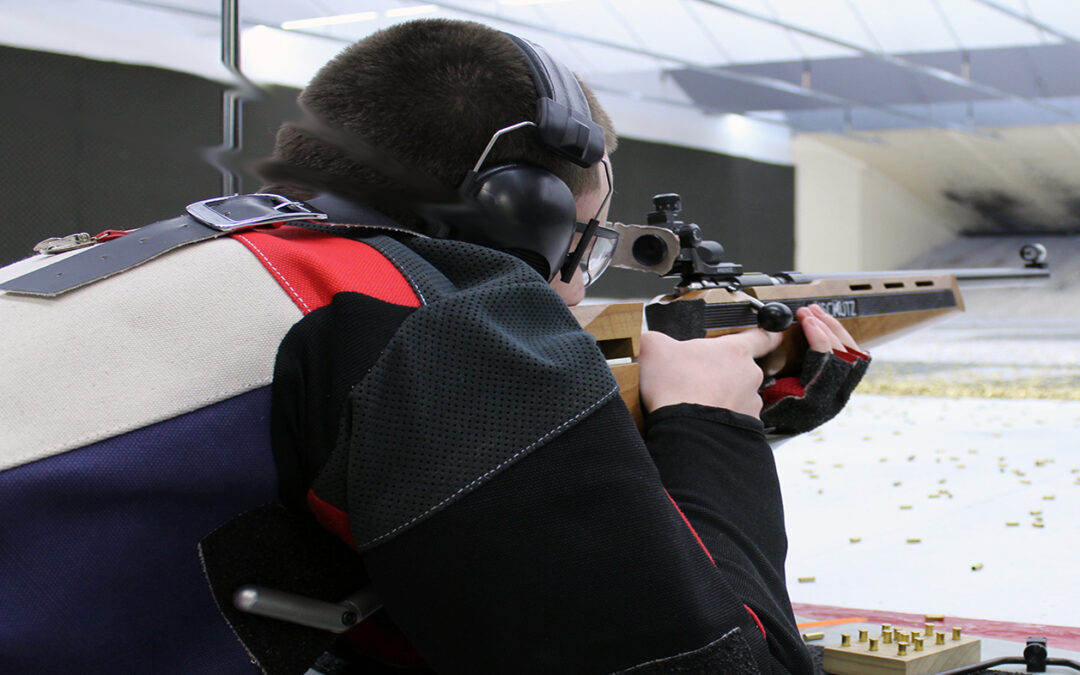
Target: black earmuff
525, 210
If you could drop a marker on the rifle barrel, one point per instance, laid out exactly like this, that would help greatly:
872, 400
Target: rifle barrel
971, 277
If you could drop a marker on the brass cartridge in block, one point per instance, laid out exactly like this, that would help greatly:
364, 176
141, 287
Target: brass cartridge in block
939, 637
845, 640
929, 630
901, 648
873, 644
918, 644
956, 632
863, 635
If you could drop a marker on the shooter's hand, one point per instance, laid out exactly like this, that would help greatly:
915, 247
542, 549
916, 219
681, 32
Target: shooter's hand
718, 372
832, 369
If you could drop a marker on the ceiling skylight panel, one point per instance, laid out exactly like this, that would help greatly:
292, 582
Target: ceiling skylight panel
909, 26
746, 40
1060, 16
831, 18
596, 18
979, 26
668, 27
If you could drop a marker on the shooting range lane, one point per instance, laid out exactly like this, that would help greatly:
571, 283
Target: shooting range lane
952, 490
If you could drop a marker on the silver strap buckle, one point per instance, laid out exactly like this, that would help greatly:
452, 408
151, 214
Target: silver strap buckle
236, 212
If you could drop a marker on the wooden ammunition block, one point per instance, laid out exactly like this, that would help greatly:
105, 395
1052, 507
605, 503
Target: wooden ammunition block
857, 659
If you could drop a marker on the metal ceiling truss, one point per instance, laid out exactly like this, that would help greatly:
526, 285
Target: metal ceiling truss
1031, 21
776, 84
898, 61
759, 80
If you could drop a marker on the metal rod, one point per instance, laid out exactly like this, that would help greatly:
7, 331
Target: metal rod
898, 61
966, 277
232, 110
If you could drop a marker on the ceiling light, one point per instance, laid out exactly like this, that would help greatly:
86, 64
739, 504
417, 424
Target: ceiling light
329, 20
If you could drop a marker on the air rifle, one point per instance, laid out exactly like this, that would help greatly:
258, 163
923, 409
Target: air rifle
713, 297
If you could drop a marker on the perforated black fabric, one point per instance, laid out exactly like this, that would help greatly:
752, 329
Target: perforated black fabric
490, 368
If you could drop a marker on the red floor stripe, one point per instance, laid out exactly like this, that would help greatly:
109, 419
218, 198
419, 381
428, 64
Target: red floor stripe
1058, 637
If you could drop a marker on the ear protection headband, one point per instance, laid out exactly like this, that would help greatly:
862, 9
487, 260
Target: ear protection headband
525, 210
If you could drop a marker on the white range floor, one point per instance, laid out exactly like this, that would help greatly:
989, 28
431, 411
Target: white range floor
989, 487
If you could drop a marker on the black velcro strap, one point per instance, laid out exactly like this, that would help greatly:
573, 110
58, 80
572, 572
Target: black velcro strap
111, 257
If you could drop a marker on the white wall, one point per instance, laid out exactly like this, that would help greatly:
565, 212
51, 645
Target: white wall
852, 217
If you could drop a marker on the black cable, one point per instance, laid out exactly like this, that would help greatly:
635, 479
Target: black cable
1006, 660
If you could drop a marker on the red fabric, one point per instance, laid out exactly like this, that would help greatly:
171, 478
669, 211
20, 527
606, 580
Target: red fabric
857, 354
331, 518
846, 354
761, 626
691, 527
384, 643
314, 266
782, 388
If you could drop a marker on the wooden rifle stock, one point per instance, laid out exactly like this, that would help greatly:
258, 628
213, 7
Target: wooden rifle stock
874, 307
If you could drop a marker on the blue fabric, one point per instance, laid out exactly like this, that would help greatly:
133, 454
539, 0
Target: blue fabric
99, 571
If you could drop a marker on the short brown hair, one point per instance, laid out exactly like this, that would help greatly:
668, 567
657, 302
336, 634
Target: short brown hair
429, 93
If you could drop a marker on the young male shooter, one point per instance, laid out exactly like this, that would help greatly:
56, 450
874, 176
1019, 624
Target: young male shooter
434, 405
466, 438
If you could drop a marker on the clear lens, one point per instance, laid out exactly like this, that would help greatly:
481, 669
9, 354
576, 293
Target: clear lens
598, 256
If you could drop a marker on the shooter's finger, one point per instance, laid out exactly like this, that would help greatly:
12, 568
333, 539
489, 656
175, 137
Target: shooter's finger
818, 335
757, 341
835, 326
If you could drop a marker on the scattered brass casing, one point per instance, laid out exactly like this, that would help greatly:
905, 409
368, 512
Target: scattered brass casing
812, 636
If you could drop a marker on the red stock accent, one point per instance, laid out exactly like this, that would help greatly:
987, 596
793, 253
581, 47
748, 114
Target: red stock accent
312, 267
106, 235
761, 626
691, 527
782, 388
333, 519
